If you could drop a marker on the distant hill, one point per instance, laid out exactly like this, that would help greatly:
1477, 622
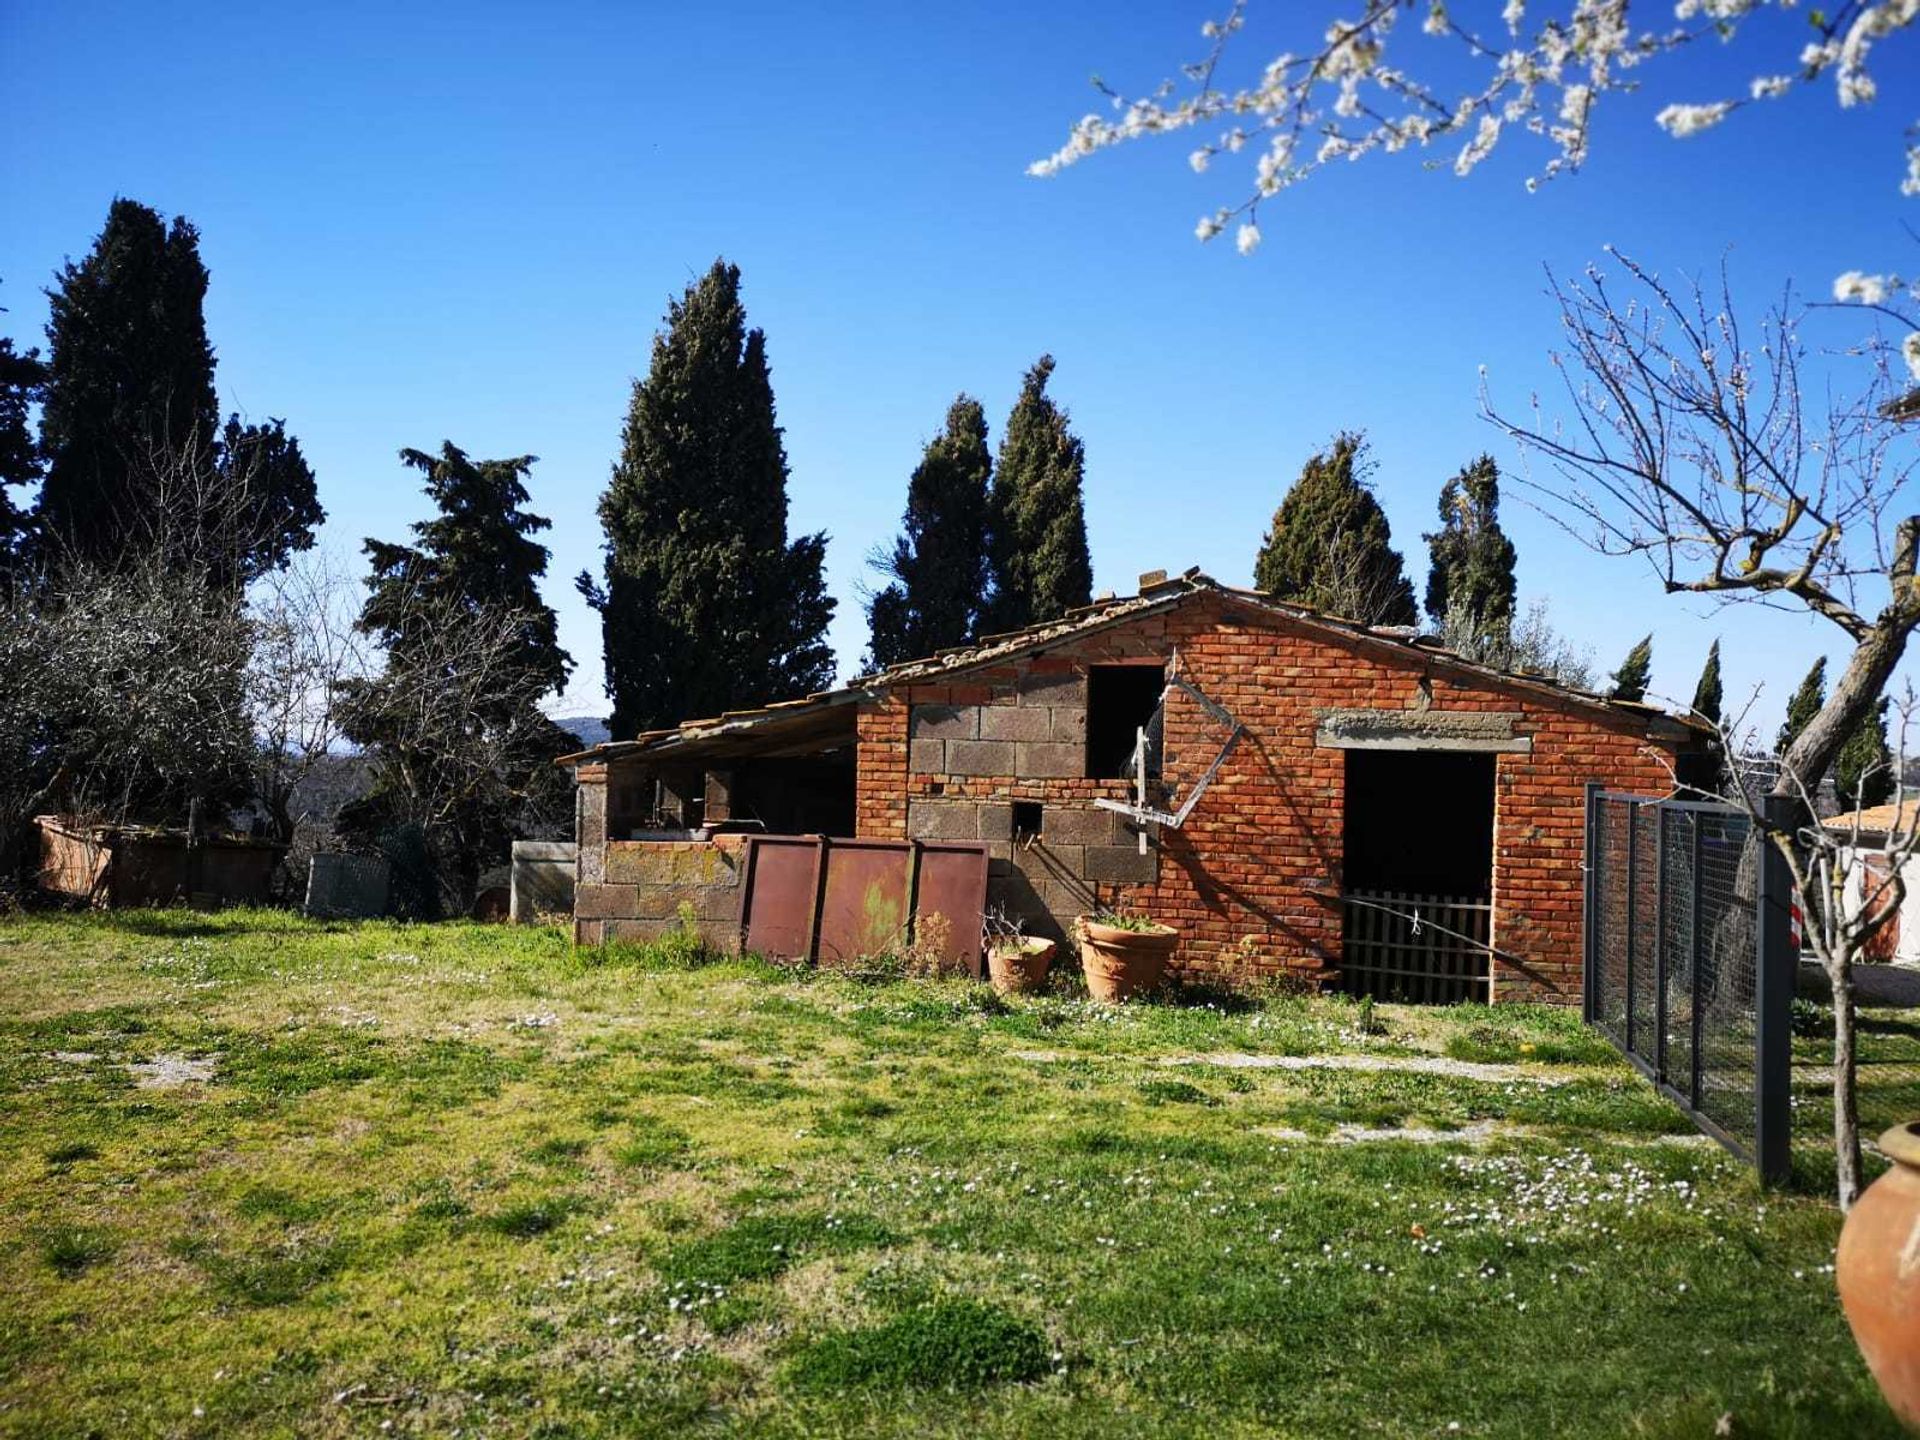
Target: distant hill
592, 729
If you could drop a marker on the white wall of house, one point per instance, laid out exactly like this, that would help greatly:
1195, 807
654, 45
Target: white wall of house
1865, 872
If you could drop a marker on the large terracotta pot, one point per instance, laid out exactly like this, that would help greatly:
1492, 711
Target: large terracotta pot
1020, 968
1120, 964
1878, 1269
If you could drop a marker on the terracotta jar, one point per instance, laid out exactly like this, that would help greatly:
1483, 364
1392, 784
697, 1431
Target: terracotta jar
1019, 967
1120, 964
1878, 1269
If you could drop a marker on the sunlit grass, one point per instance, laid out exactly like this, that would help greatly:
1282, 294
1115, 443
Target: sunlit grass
469, 1178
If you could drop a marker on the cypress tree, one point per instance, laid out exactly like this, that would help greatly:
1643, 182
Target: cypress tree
130, 428
706, 605
1630, 680
938, 567
1472, 558
129, 379
1037, 525
1863, 770
21, 375
1707, 695
1805, 703
1330, 547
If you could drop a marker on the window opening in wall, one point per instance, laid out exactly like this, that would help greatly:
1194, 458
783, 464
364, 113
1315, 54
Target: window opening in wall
1122, 701
1179, 777
1027, 820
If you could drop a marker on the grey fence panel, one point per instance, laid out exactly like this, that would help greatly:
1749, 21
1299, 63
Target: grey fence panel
1676, 893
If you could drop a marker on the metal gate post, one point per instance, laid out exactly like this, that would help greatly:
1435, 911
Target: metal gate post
1659, 1056
1633, 925
1590, 946
1695, 1008
1774, 972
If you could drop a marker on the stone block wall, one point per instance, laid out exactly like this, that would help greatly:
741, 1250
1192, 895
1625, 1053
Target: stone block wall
643, 889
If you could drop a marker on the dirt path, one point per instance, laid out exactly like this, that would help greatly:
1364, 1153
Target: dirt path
1413, 1064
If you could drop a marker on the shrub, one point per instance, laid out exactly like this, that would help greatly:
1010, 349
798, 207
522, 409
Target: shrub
946, 1344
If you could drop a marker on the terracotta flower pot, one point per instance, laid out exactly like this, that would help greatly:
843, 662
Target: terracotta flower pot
1020, 968
1120, 964
1878, 1270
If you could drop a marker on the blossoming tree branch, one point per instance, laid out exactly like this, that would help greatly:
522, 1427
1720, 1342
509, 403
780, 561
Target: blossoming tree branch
1540, 69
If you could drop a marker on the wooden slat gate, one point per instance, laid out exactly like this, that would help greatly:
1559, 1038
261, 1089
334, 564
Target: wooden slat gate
1428, 949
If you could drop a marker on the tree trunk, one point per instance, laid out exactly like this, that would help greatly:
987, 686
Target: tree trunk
1846, 1105
1860, 685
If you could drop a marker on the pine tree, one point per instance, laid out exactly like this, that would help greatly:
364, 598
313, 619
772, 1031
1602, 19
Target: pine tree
1472, 558
1037, 525
706, 605
1330, 548
459, 748
1863, 771
477, 554
1707, 695
939, 563
130, 429
1805, 703
1630, 680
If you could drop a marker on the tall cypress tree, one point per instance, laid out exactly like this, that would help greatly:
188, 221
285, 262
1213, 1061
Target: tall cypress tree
1630, 680
1472, 558
130, 428
1708, 694
1806, 702
1330, 547
21, 375
706, 605
129, 381
1863, 770
938, 567
1037, 545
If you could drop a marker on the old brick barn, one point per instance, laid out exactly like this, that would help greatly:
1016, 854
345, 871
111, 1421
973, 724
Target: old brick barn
1297, 794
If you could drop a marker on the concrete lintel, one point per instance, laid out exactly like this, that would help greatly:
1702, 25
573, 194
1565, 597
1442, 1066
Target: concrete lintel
1470, 731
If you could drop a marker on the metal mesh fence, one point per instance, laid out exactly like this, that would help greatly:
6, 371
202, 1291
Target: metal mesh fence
1678, 894
1672, 955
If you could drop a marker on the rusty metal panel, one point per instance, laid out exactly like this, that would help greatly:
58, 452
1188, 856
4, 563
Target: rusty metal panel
805, 897
865, 905
952, 886
777, 895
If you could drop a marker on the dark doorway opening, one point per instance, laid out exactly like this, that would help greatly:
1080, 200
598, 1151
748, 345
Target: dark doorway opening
1418, 875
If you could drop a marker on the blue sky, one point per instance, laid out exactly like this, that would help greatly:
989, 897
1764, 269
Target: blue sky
464, 222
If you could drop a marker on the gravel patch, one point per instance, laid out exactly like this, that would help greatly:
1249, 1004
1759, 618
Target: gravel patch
168, 1072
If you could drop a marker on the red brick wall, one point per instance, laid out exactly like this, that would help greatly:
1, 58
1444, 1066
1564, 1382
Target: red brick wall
1250, 878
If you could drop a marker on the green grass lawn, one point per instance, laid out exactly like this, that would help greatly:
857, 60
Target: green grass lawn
267, 1177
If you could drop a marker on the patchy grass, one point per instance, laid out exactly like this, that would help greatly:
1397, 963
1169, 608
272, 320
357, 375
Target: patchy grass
947, 1345
467, 1178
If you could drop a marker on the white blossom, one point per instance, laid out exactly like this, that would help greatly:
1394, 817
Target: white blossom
1247, 239
1866, 289
1343, 98
1680, 121
1910, 352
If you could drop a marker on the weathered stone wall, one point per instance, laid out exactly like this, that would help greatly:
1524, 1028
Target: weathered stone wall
636, 889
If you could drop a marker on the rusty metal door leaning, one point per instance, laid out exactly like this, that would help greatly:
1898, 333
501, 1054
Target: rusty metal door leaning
831, 902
